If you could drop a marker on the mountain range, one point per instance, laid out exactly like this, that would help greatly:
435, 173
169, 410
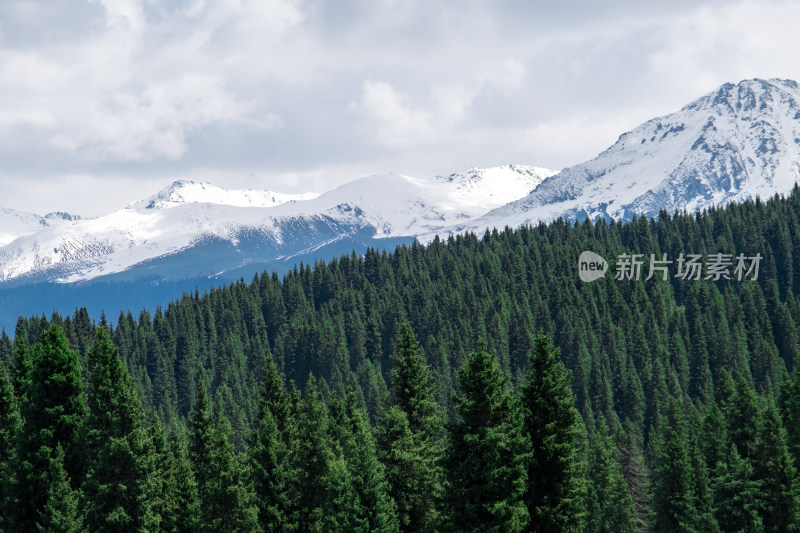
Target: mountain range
737, 142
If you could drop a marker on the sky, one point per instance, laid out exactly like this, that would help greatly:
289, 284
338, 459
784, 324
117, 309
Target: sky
104, 102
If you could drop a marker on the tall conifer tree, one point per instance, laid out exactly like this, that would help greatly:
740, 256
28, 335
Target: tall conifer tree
415, 477
555, 490
487, 452
117, 491
53, 415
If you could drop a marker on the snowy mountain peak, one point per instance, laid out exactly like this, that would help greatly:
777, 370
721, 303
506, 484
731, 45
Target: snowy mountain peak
736, 142
182, 192
15, 224
745, 96
496, 185
61, 216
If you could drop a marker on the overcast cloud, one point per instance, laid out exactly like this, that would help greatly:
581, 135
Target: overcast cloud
106, 101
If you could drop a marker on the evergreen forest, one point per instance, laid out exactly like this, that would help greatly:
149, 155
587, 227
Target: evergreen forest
472, 384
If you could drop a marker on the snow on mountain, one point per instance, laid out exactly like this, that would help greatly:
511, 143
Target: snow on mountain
187, 214
732, 144
739, 141
508, 183
187, 192
14, 224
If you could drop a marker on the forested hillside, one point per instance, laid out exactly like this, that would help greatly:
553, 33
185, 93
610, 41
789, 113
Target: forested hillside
474, 384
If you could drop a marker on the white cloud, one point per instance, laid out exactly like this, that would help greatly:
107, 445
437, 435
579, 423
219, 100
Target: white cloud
398, 124
272, 93
124, 13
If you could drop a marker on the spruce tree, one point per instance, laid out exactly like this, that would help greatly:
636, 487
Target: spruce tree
790, 399
674, 499
117, 491
274, 479
736, 495
555, 490
402, 459
61, 512
487, 452
181, 500
774, 469
609, 503
312, 458
415, 482
53, 414
9, 426
227, 503
376, 506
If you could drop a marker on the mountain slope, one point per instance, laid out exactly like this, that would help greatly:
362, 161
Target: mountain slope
732, 144
14, 224
235, 228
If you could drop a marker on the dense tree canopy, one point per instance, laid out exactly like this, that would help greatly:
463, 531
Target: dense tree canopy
355, 394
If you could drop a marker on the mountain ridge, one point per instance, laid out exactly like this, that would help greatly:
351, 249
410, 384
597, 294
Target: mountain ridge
186, 214
733, 143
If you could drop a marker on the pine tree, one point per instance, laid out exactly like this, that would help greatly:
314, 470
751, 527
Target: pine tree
487, 452
376, 506
271, 471
61, 512
637, 475
117, 492
415, 483
227, 503
775, 471
609, 503
201, 445
402, 458
9, 426
340, 508
790, 399
674, 499
743, 416
232, 503
182, 503
736, 495
555, 491
53, 414
312, 458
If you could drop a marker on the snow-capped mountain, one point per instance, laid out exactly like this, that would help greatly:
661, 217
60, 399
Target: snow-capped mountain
230, 229
188, 192
15, 224
732, 144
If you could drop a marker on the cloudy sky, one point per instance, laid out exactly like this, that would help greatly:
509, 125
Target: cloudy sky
106, 101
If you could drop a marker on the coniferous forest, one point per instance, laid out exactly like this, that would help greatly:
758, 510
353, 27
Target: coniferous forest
473, 384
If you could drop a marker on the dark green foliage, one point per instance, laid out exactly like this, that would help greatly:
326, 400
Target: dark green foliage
271, 470
675, 499
226, 500
9, 426
486, 456
53, 413
61, 513
117, 491
181, 512
790, 397
313, 458
630, 347
736, 495
774, 468
609, 507
375, 505
411, 444
555, 490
